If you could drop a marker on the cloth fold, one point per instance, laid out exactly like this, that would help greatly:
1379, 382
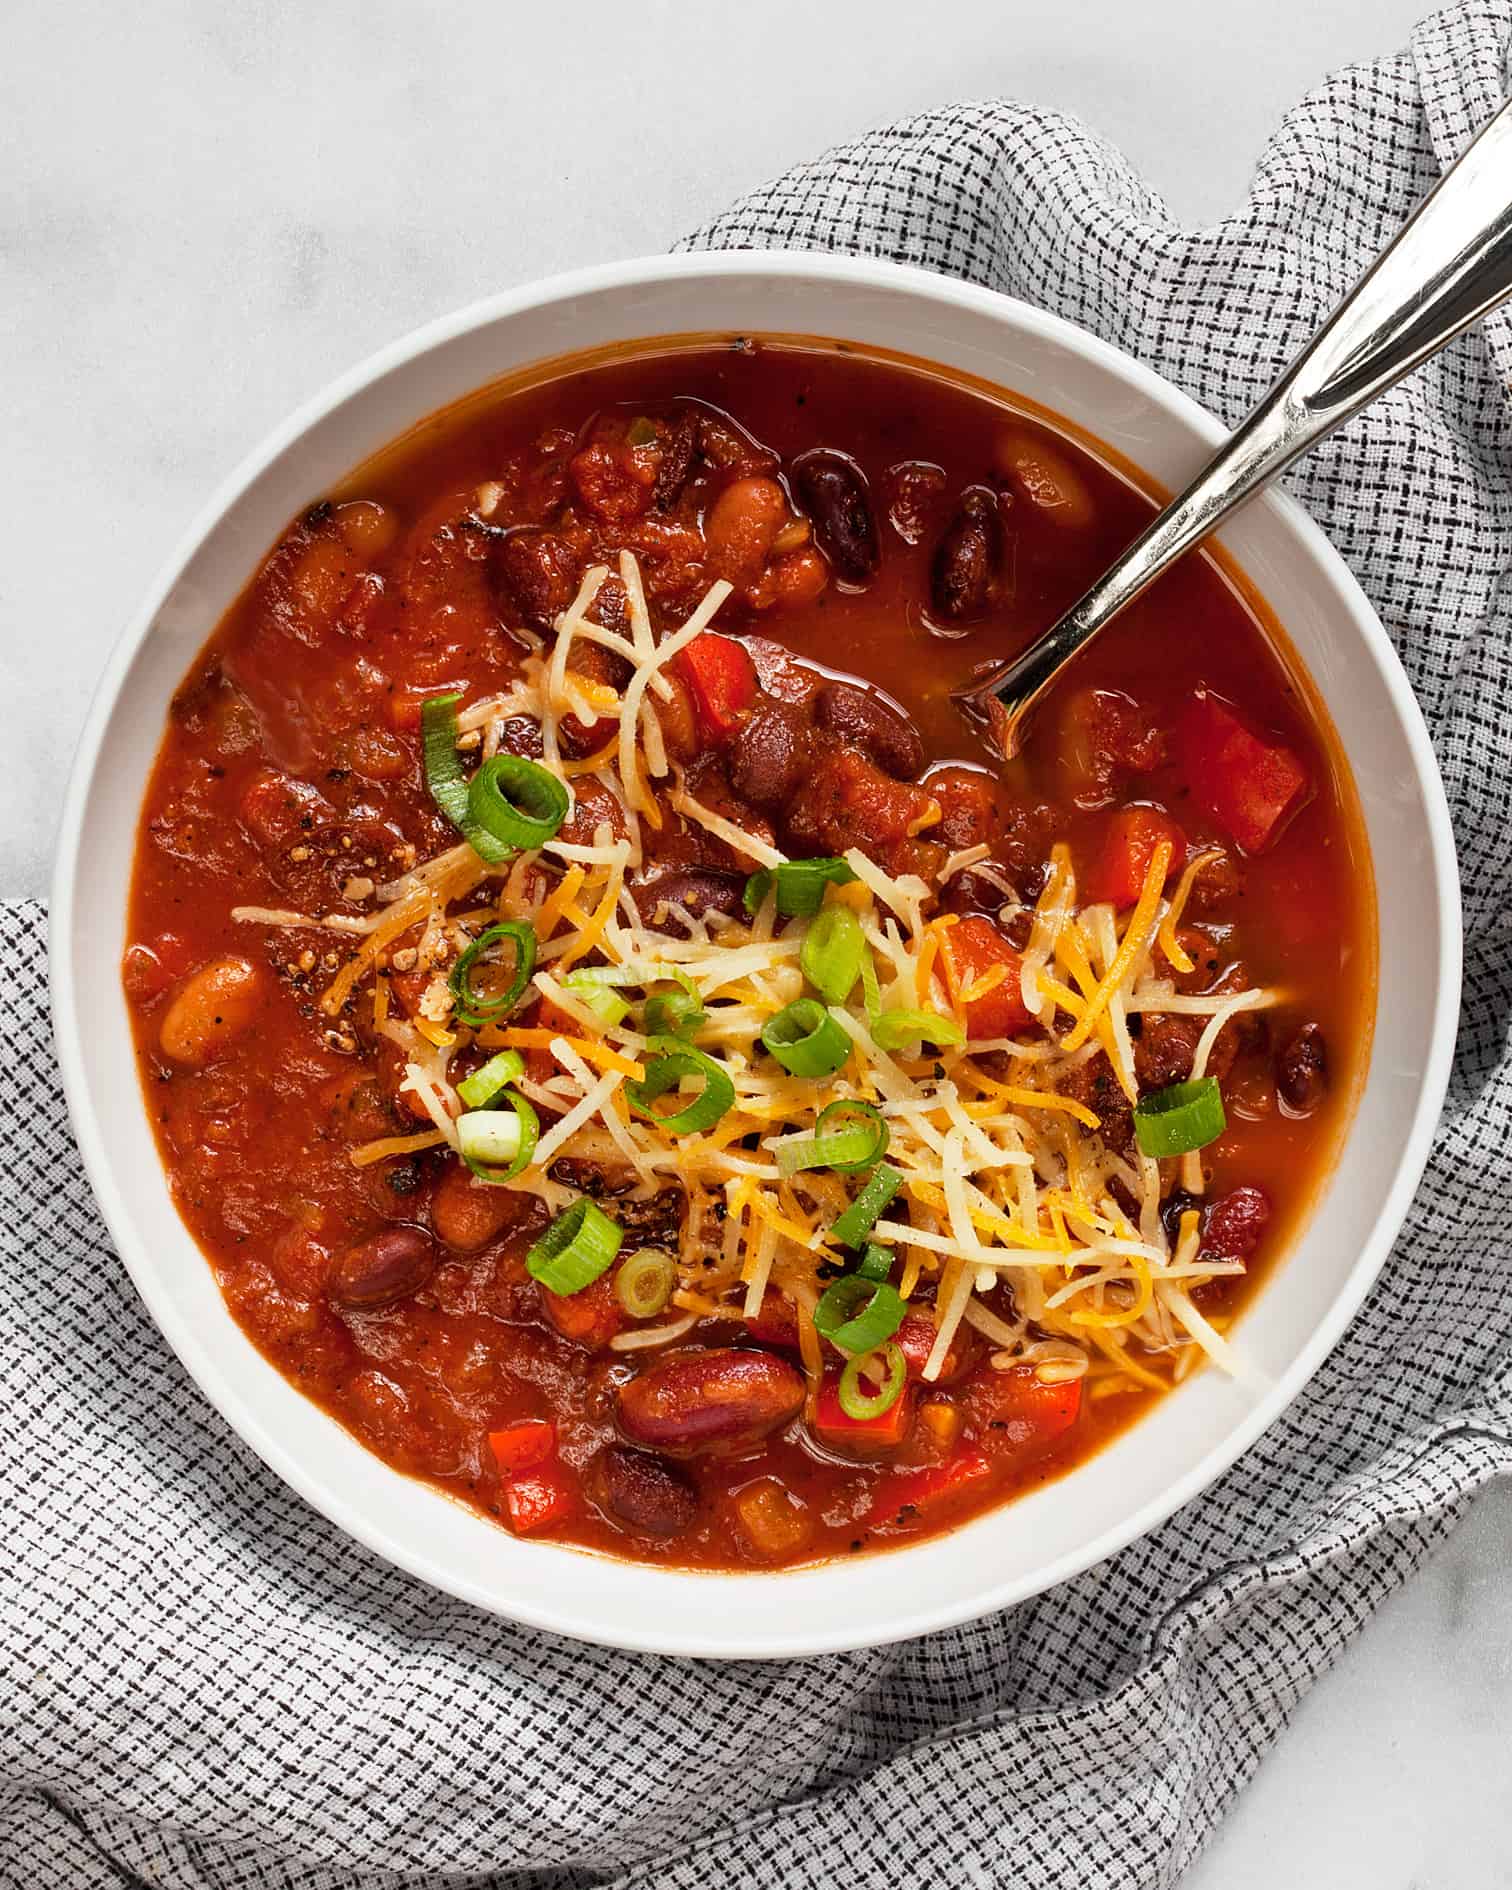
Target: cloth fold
208, 1687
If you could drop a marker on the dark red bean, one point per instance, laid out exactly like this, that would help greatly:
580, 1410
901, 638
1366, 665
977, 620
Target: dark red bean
713, 1402
765, 758
679, 448
1302, 1070
833, 491
965, 561
863, 717
386, 1266
698, 890
643, 1494
1234, 1224
1164, 1048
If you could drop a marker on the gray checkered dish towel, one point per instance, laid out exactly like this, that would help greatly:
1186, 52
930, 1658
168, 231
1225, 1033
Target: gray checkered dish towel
206, 1684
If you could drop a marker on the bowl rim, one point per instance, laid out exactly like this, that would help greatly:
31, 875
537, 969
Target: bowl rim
240, 1413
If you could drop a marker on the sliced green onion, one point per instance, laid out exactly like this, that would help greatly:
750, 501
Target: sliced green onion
644, 1282
856, 1314
800, 885
848, 1136
674, 1010
895, 1030
499, 1143
479, 1089
517, 802
1177, 1120
476, 1007
805, 1039
875, 1262
578, 1246
607, 1006
674, 1060
444, 777
857, 1221
855, 1403
832, 952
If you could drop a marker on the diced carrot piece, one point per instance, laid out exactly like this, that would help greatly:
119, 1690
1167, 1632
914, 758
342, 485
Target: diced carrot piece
523, 1446
537, 1501
1250, 786
722, 677
861, 1437
1129, 842
590, 1318
917, 1491
971, 951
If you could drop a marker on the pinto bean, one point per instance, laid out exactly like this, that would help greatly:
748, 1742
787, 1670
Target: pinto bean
382, 1268
468, 1214
643, 1494
1302, 1070
698, 890
863, 717
716, 1402
212, 1010
765, 758
833, 490
742, 525
965, 560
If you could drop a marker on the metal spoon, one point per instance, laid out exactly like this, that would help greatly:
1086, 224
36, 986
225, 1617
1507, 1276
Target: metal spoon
1449, 264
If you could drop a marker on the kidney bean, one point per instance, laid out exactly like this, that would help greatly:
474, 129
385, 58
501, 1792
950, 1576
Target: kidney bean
213, 1009
679, 448
678, 717
863, 717
1234, 1223
468, 1214
277, 808
698, 890
1164, 1048
718, 1401
382, 1268
1302, 1070
644, 1494
833, 490
765, 758
965, 560
593, 806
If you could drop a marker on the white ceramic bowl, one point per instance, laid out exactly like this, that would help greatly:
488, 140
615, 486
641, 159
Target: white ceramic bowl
1194, 1433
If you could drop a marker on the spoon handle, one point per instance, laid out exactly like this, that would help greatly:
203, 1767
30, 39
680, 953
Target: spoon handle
1448, 265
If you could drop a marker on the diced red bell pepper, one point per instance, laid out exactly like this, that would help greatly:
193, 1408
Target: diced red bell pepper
918, 1491
1017, 1403
1250, 786
861, 1437
537, 1501
525, 1445
590, 1318
722, 677
970, 951
1129, 842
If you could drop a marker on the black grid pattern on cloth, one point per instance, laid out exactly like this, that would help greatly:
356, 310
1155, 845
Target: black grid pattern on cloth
208, 1687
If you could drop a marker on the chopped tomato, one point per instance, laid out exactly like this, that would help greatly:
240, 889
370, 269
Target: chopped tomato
722, 677
861, 1437
977, 958
919, 1490
590, 1318
1251, 786
523, 1446
1133, 833
537, 1501
1019, 1403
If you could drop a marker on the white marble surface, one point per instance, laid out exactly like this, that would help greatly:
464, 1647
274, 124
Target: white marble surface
206, 211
